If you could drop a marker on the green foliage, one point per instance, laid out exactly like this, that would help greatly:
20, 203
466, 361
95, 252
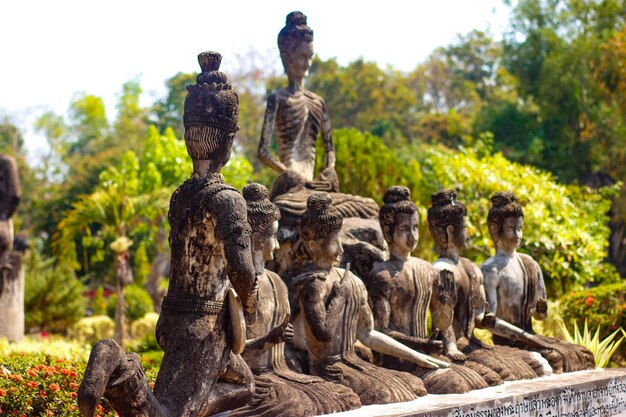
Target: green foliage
603, 307
603, 349
138, 303
565, 226
91, 329
553, 324
238, 172
53, 297
144, 326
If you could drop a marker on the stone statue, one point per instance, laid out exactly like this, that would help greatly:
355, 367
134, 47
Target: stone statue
400, 292
515, 288
11, 272
201, 327
459, 302
279, 391
298, 117
334, 313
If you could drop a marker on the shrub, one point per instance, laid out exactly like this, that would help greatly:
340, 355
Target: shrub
603, 306
91, 329
145, 326
138, 303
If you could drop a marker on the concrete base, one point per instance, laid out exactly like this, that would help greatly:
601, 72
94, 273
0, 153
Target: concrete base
598, 392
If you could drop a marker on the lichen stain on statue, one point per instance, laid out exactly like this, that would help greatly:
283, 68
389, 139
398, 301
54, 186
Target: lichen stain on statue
459, 303
515, 288
11, 272
298, 116
334, 310
200, 374
400, 291
279, 391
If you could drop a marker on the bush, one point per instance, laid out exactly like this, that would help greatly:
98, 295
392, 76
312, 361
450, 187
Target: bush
138, 303
145, 326
53, 297
604, 305
92, 329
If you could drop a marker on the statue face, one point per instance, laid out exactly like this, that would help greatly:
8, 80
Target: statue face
406, 232
511, 236
460, 236
297, 60
268, 243
329, 250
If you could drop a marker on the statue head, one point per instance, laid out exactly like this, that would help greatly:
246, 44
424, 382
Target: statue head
211, 113
319, 228
505, 221
399, 220
263, 216
446, 220
295, 42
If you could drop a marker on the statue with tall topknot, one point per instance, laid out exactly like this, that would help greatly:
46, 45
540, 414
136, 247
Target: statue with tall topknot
515, 289
212, 282
297, 117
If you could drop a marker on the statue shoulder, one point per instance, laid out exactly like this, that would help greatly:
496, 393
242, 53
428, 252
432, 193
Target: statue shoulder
308, 279
312, 96
443, 264
489, 265
423, 265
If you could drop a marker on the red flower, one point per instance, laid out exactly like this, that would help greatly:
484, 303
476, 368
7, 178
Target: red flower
32, 384
16, 377
32, 372
2, 392
54, 387
43, 394
73, 385
589, 300
73, 395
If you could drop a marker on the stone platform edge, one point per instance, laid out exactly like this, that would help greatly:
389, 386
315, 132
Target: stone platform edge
597, 392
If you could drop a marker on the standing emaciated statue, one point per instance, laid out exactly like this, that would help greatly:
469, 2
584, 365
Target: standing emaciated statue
201, 327
459, 301
400, 292
279, 391
11, 272
515, 288
334, 313
298, 117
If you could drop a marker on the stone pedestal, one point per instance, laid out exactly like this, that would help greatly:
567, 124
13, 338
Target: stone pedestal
12, 298
598, 392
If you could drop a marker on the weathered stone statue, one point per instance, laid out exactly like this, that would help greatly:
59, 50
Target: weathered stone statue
201, 325
11, 272
298, 117
515, 288
400, 292
334, 313
459, 302
279, 391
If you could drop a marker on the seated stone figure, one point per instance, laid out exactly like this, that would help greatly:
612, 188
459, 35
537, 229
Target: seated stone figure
400, 292
200, 326
278, 390
334, 313
515, 289
298, 116
459, 301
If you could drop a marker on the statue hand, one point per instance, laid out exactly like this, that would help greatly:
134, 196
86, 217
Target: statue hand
281, 333
445, 288
489, 320
456, 355
288, 333
541, 306
339, 292
433, 344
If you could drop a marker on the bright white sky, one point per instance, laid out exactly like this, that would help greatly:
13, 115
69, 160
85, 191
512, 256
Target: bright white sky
49, 50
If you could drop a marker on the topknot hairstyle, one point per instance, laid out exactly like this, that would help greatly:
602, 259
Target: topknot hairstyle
211, 114
262, 213
396, 200
295, 31
503, 205
446, 211
320, 219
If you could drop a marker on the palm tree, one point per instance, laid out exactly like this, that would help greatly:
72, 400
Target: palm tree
110, 215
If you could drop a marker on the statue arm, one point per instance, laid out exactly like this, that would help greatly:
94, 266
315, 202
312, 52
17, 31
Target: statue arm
490, 288
541, 306
233, 231
258, 346
322, 317
327, 139
266, 136
384, 344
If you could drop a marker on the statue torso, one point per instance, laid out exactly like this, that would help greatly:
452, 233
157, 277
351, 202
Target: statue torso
408, 287
298, 122
198, 266
511, 284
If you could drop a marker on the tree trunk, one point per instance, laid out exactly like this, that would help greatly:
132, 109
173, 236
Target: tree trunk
158, 268
120, 307
12, 296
